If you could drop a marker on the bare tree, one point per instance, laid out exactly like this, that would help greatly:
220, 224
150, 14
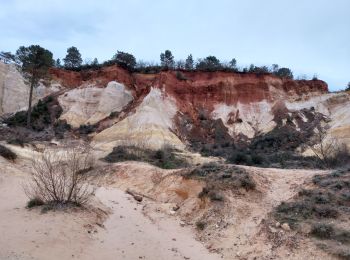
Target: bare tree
60, 176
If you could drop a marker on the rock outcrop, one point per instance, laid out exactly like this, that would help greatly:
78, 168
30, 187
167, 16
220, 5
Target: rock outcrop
14, 92
167, 107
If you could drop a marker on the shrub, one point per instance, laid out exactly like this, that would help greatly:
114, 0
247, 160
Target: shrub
257, 159
220, 177
323, 231
34, 202
180, 76
7, 153
240, 158
200, 225
59, 177
17, 141
86, 129
165, 158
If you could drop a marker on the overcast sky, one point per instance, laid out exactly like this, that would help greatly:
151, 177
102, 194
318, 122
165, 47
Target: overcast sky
308, 36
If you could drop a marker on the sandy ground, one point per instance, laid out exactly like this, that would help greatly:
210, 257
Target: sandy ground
237, 228
126, 234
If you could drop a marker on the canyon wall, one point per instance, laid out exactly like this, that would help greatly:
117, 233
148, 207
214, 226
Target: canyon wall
156, 109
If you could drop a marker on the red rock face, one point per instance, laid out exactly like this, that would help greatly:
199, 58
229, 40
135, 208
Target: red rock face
197, 90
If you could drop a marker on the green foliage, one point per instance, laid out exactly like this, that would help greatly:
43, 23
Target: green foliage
34, 62
323, 231
73, 58
7, 57
258, 70
284, 73
348, 87
167, 60
41, 115
210, 63
86, 129
220, 177
165, 158
34, 202
189, 63
329, 199
58, 63
125, 60
233, 64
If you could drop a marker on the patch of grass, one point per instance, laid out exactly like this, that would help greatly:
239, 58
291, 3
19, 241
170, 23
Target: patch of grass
7, 153
200, 225
86, 129
35, 202
325, 207
17, 141
165, 158
322, 231
220, 177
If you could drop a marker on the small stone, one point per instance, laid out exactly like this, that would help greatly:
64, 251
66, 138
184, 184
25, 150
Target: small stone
285, 226
278, 224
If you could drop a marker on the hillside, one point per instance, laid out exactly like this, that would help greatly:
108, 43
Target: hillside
184, 165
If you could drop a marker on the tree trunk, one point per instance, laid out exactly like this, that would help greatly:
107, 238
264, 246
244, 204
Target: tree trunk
29, 112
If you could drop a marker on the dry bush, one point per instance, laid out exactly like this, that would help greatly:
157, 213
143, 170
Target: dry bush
60, 176
329, 150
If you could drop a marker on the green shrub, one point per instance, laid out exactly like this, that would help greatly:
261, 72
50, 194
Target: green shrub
323, 231
35, 202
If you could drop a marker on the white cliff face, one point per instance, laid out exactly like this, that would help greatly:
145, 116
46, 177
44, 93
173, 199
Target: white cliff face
254, 117
149, 127
91, 104
14, 92
334, 105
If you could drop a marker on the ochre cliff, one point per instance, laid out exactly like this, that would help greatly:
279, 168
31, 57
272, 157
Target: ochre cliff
176, 106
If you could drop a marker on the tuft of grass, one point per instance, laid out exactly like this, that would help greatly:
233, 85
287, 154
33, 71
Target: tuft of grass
35, 202
322, 231
200, 225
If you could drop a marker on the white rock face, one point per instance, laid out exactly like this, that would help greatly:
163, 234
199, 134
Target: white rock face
14, 93
336, 106
255, 117
150, 126
90, 105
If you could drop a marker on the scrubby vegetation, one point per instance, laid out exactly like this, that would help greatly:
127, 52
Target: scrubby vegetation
43, 114
167, 157
220, 177
7, 153
325, 207
60, 178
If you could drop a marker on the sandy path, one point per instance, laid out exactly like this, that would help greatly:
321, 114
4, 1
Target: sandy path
131, 235
128, 233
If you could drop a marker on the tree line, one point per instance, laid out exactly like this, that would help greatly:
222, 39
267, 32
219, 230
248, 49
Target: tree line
73, 61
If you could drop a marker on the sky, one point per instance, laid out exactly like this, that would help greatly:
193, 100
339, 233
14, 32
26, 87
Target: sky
309, 36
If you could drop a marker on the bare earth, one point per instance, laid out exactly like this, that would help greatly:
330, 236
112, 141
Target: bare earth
118, 227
